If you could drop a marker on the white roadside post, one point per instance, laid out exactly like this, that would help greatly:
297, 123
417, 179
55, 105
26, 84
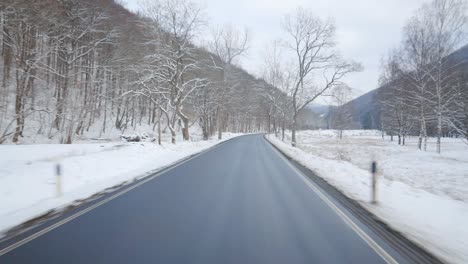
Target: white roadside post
374, 182
58, 174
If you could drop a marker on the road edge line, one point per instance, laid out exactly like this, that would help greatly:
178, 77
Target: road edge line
364, 236
156, 174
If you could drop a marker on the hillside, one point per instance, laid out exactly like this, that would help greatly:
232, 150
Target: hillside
77, 70
365, 109
314, 116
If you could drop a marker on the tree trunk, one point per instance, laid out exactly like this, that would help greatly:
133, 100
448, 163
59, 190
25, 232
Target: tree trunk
159, 128
185, 129
439, 130
293, 133
275, 128
173, 136
425, 140
19, 114
205, 128
420, 141
422, 131
220, 126
269, 123
283, 128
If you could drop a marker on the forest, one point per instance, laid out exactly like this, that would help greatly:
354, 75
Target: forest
424, 80
71, 67
74, 66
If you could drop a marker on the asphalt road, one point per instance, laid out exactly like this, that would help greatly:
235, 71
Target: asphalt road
238, 203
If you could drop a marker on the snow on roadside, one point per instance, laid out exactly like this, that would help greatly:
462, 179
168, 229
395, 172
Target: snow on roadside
436, 222
443, 174
28, 181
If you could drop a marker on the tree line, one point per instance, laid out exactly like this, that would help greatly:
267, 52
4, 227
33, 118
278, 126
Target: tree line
71, 66
424, 80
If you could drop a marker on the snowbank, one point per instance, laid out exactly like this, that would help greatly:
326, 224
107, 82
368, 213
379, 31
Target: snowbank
426, 213
28, 181
443, 174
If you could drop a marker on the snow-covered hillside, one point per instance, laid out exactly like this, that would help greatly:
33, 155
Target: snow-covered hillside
28, 172
422, 194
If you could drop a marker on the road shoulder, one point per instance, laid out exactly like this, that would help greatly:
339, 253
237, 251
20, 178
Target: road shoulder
374, 226
32, 228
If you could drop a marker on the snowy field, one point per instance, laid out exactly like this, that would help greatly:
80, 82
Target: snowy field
28, 180
422, 194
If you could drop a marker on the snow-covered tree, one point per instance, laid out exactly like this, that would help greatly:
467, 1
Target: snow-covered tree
229, 44
318, 66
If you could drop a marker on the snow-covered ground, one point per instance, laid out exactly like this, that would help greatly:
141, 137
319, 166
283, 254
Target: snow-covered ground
28, 172
422, 194
96, 133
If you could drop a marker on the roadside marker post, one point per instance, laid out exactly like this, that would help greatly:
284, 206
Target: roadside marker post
58, 175
374, 182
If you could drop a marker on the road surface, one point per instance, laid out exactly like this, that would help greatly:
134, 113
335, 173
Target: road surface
240, 202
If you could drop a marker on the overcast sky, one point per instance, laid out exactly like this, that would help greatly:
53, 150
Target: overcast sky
366, 29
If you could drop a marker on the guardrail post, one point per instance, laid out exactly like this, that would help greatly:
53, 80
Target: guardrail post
374, 182
58, 178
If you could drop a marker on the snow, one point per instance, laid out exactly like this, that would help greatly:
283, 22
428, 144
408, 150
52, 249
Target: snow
35, 134
424, 195
28, 180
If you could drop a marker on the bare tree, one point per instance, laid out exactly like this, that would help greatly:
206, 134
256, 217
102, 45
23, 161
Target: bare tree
448, 22
228, 43
340, 116
277, 74
416, 56
182, 20
398, 113
20, 40
312, 41
431, 35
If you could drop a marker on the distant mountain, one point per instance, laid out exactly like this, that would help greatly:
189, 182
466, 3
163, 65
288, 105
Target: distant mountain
319, 108
314, 116
460, 55
365, 109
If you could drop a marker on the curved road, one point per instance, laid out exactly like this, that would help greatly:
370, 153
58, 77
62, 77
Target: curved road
240, 202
